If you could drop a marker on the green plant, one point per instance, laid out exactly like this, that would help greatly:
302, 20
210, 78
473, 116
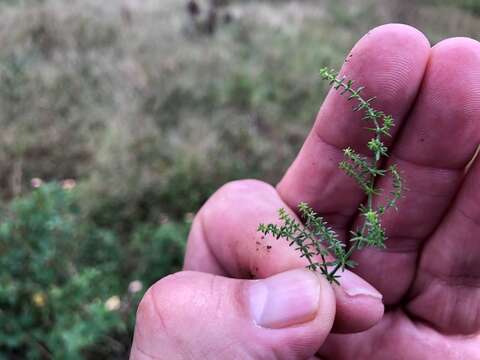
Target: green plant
66, 282
315, 239
51, 295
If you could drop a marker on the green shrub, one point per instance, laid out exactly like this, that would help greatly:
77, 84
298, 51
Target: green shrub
64, 280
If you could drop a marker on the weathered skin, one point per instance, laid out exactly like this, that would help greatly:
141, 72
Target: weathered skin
430, 274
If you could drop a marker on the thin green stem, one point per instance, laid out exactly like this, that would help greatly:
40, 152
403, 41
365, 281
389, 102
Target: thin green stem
316, 238
347, 256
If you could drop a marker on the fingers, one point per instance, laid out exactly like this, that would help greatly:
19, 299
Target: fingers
192, 315
438, 140
389, 61
224, 239
449, 271
398, 337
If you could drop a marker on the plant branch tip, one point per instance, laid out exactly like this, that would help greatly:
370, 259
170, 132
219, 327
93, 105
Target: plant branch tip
314, 239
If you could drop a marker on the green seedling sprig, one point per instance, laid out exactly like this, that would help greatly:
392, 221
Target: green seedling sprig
315, 240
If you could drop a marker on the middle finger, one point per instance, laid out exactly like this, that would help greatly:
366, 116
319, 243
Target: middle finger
389, 61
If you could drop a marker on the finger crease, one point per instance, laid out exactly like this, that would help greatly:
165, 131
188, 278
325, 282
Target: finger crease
475, 220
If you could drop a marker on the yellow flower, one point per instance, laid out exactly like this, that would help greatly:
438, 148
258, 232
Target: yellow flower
113, 303
39, 299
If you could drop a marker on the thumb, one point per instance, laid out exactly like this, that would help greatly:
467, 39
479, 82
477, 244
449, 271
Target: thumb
192, 315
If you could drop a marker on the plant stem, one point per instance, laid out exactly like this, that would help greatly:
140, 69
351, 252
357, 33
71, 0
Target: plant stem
347, 256
316, 238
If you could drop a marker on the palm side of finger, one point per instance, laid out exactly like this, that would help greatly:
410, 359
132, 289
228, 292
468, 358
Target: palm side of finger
398, 337
429, 273
430, 267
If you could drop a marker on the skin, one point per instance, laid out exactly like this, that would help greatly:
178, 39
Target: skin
429, 275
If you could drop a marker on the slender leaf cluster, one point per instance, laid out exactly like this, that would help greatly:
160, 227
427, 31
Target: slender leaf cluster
315, 240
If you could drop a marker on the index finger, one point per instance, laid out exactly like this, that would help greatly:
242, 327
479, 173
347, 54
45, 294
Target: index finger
389, 62
224, 241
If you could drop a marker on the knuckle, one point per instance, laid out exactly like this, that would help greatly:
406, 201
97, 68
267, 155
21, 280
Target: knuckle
241, 186
160, 322
234, 193
156, 305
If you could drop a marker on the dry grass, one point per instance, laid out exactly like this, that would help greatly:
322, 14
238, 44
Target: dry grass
128, 98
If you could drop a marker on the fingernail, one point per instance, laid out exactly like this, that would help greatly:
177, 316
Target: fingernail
354, 285
285, 299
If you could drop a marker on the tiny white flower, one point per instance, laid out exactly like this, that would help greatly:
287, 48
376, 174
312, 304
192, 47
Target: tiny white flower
68, 184
36, 182
135, 286
113, 303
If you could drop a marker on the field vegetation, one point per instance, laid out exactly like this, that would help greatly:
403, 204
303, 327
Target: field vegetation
119, 118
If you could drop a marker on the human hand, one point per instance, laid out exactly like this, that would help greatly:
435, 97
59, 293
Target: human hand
429, 275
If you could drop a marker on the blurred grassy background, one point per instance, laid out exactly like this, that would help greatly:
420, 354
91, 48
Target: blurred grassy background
119, 118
